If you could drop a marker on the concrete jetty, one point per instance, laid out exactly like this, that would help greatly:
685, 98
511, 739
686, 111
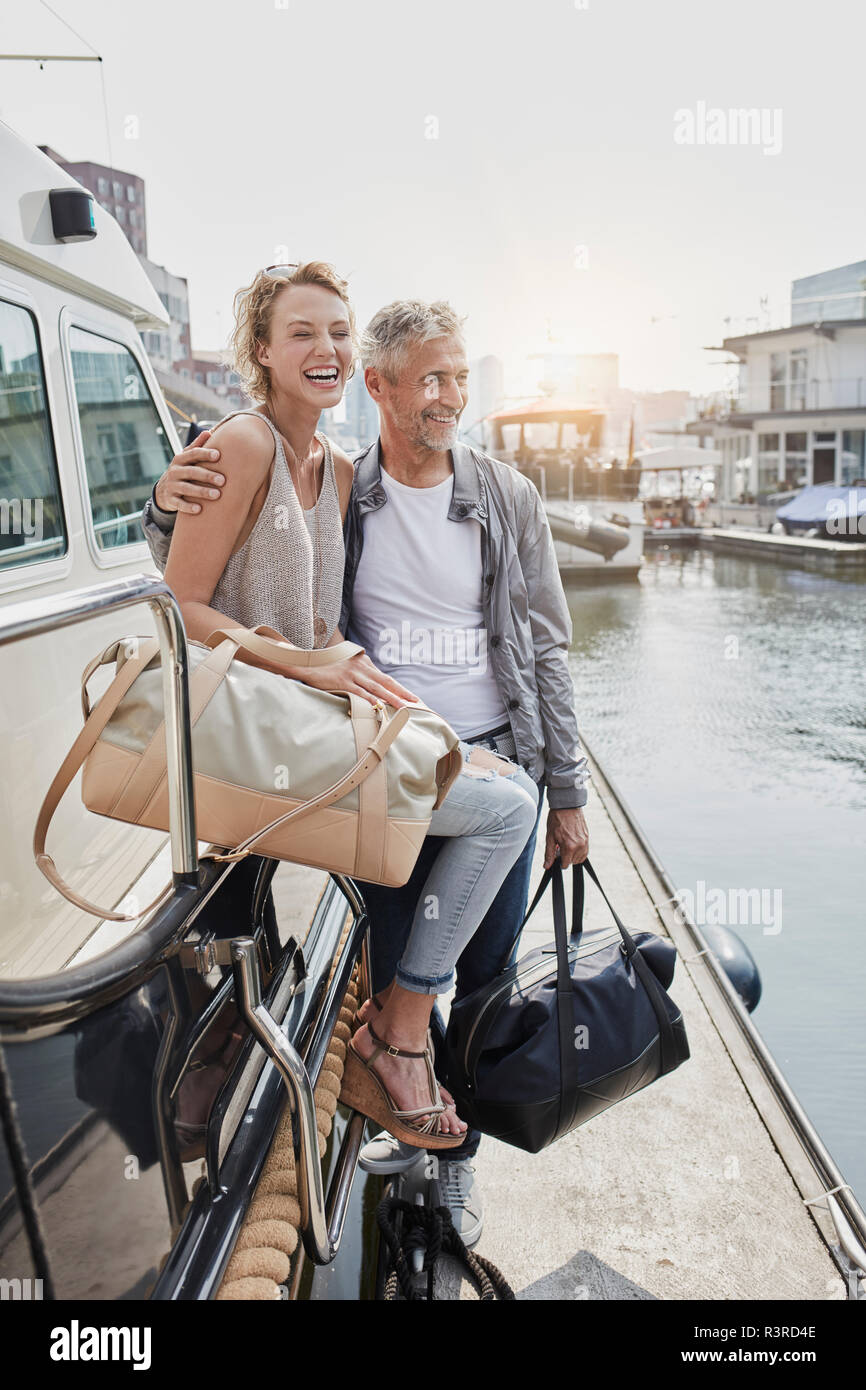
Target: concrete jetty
804, 552
695, 1188
681, 1191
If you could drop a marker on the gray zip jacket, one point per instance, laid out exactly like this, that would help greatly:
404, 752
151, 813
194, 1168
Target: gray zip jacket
526, 614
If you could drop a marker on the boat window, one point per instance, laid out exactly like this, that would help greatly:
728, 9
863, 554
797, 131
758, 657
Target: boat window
510, 438
32, 526
125, 445
540, 434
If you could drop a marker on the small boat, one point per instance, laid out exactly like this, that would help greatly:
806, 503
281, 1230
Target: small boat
590, 496
827, 511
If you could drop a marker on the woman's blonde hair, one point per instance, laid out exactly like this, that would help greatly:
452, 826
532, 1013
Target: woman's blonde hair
254, 308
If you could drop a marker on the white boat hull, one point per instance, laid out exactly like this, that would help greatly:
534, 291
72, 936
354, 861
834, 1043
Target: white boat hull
575, 558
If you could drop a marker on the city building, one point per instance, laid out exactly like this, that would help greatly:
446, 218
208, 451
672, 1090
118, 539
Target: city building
833, 294
171, 346
212, 371
354, 423
798, 414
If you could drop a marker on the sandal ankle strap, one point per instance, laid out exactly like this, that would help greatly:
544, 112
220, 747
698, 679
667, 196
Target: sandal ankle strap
391, 1050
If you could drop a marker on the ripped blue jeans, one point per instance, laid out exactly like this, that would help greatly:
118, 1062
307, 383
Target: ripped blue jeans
486, 820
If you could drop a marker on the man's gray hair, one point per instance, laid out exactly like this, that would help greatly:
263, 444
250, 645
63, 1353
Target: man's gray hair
388, 337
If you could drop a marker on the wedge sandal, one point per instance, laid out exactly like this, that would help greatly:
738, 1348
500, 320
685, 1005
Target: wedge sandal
363, 1090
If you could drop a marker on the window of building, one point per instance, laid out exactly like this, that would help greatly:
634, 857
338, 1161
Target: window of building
130, 193
778, 380
117, 190
125, 445
798, 366
788, 379
853, 460
32, 525
102, 187
796, 458
768, 464
120, 213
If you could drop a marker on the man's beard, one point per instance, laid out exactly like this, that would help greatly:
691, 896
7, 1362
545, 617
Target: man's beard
429, 435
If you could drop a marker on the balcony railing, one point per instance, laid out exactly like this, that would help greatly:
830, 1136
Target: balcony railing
832, 393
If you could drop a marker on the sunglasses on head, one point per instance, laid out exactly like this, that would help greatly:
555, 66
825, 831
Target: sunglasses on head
276, 271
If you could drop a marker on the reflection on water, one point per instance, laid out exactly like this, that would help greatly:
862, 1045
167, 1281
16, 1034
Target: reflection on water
725, 697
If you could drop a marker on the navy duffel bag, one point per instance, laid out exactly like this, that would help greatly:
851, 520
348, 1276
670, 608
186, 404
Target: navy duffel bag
569, 1030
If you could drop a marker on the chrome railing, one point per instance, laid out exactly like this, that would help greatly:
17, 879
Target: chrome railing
37, 617
322, 1219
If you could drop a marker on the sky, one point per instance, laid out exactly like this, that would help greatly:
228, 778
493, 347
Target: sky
538, 164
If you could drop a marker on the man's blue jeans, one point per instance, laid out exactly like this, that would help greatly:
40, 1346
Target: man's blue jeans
391, 911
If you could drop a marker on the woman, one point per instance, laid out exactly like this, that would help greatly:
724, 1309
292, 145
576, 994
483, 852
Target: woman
270, 552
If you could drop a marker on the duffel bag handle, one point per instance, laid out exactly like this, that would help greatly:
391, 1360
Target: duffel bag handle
267, 645
578, 896
654, 992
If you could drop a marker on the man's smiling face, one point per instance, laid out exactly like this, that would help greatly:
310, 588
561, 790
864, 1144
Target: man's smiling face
430, 393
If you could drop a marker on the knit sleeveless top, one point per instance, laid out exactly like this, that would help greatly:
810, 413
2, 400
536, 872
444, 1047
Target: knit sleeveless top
278, 576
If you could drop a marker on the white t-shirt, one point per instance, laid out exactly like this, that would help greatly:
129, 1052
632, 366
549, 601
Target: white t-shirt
417, 606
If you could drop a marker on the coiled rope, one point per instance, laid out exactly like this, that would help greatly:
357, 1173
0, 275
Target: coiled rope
431, 1230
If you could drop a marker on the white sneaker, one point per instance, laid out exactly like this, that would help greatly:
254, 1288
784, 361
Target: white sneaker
458, 1191
385, 1154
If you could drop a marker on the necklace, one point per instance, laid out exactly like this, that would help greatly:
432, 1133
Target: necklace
320, 627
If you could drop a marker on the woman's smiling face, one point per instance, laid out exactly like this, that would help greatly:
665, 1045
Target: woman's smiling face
309, 349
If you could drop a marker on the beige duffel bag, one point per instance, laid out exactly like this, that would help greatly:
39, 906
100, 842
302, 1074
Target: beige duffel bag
281, 769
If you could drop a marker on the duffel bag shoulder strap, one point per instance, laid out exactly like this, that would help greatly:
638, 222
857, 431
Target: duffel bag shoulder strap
203, 681
655, 993
75, 759
362, 769
569, 1079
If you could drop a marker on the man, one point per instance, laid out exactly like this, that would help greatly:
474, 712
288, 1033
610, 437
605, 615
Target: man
451, 585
